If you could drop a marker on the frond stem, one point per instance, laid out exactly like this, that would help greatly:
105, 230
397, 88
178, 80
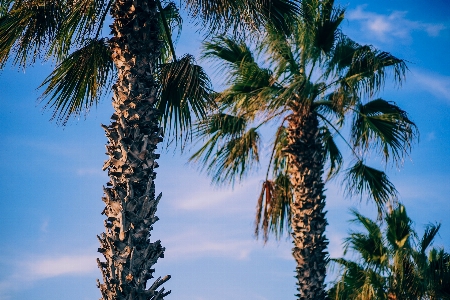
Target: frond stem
166, 30
339, 133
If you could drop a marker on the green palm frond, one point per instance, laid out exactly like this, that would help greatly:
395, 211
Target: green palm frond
79, 81
240, 15
27, 29
405, 273
399, 228
430, 233
273, 212
184, 89
369, 245
235, 158
362, 179
327, 26
228, 53
171, 22
332, 153
83, 20
384, 126
369, 68
5, 6
215, 130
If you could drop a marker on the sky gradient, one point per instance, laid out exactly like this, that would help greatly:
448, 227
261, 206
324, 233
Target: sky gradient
51, 180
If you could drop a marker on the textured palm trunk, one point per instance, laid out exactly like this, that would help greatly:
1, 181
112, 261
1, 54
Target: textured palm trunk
306, 163
133, 136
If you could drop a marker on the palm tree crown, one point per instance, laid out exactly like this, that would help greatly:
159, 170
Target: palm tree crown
312, 82
393, 262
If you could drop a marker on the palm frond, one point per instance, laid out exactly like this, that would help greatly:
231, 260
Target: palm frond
241, 15
229, 53
235, 158
332, 153
430, 233
327, 26
83, 20
369, 245
27, 30
384, 126
362, 179
273, 212
215, 130
399, 228
369, 68
171, 22
5, 6
79, 81
184, 89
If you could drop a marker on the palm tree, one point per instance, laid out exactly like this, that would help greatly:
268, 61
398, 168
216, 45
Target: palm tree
392, 261
307, 83
152, 87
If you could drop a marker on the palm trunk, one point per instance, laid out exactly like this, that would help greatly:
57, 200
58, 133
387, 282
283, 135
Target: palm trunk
133, 136
306, 163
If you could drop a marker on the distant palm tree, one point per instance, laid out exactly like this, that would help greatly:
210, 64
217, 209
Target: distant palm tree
151, 86
392, 262
314, 81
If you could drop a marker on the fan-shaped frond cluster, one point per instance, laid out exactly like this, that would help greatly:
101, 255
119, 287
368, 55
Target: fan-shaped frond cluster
392, 261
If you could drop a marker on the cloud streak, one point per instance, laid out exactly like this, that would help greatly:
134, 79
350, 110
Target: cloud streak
25, 273
392, 27
435, 84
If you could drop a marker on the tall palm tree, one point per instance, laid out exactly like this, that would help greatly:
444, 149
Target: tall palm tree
392, 261
307, 83
152, 87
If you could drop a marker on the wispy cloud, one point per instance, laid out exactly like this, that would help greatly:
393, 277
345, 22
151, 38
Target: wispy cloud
242, 198
435, 84
394, 26
197, 243
30, 270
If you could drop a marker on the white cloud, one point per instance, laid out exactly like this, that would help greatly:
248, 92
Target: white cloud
242, 198
200, 242
436, 84
32, 269
391, 27
57, 266
194, 244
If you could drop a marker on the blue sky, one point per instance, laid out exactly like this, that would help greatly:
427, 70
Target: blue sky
51, 180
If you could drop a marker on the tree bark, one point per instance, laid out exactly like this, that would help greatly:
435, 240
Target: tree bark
133, 136
306, 164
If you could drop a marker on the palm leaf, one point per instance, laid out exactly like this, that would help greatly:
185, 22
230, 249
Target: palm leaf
79, 81
241, 15
369, 245
369, 67
399, 228
228, 53
216, 129
171, 22
235, 158
430, 233
273, 212
83, 20
332, 153
27, 30
362, 179
384, 126
184, 89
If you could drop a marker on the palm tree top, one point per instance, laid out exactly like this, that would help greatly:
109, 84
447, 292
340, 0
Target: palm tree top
314, 67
